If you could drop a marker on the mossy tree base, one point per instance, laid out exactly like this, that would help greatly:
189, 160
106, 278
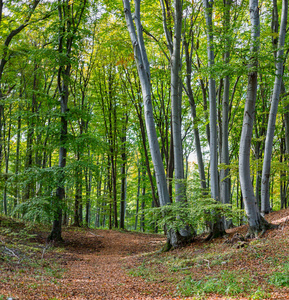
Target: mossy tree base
178, 238
260, 229
216, 230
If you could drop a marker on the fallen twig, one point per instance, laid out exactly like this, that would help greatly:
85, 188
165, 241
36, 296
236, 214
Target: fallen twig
95, 234
10, 250
47, 246
208, 263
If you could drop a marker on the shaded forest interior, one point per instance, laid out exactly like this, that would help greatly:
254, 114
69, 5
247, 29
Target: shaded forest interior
168, 116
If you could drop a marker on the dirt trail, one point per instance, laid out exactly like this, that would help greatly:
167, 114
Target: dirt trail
97, 268
96, 264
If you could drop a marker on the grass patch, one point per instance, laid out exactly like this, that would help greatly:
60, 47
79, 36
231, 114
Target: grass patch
281, 279
144, 271
224, 283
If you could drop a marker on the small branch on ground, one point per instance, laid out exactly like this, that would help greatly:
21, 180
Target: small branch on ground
96, 234
47, 246
10, 251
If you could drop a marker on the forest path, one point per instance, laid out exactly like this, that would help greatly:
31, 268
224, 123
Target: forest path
96, 266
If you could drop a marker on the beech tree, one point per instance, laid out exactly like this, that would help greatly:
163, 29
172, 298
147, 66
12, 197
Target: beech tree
88, 138
256, 222
217, 228
69, 24
175, 238
265, 202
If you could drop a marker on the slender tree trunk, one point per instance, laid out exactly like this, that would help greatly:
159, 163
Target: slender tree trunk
137, 195
7, 155
283, 180
144, 75
78, 193
123, 174
217, 228
224, 172
265, 196
147, 160
17, 162
139, 112
67, 31
142, 216
88, 180
176, 99
255, 220
194, 119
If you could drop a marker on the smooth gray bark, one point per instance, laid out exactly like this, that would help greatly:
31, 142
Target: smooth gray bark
213, 107
174, 238
265, 195
217, 228
176, 103
194, 118
256, 222
176, 100
144, 76
225, 186
139, 111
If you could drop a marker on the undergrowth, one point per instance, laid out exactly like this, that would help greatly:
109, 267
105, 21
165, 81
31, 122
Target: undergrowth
22, 258
252, 272
281, 278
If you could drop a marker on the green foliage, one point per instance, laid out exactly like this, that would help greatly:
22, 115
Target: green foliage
198, 212
281, 278
37, 209
225, 283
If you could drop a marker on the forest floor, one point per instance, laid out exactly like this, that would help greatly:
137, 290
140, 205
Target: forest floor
109, 264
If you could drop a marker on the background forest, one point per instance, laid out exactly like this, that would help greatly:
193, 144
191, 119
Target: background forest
88, 139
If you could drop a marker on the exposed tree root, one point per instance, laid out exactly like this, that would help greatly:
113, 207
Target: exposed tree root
55, 237
216, 230
178, 239
259, 231
167, 247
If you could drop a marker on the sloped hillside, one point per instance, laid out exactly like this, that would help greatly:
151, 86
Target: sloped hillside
105, 264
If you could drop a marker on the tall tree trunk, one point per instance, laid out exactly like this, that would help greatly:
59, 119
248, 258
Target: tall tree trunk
194, 118
78, 193
265, 196
224, 172
17, 162
144, 75
123, 174
7, 155
139, 112
176, 99
255, 220
137, 195
217, 228
67, 31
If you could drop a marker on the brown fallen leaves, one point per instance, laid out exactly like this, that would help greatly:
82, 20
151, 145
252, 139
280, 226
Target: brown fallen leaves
106, 264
